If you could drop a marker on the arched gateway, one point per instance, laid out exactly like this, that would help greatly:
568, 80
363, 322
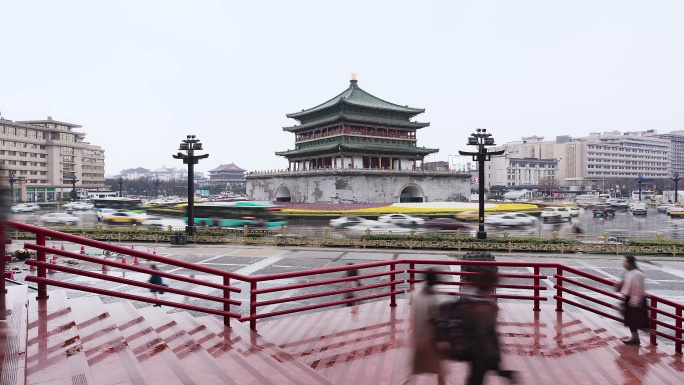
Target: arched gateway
411, 193
283, 194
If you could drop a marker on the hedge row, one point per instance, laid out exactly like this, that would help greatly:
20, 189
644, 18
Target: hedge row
439, 238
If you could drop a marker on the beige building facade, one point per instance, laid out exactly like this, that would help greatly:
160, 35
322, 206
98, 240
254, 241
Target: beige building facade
42, 156
586, 163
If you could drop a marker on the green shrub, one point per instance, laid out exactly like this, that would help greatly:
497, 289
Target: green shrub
464, 239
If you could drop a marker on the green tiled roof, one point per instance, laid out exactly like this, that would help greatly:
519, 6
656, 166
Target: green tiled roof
356, 96
356, 148
371, 120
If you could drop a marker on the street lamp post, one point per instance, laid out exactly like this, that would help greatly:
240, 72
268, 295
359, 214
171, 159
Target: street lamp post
675, 178
156, 187
12, 179
640, 179
189, 145
481, 139
120, 181
73, 186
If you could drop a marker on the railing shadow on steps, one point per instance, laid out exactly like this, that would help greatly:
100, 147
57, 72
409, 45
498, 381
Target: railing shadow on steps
567, 285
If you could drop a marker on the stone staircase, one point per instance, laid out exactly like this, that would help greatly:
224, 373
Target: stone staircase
84, 341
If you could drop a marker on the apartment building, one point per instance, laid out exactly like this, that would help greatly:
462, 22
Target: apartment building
584, 163
43, 156
676, 139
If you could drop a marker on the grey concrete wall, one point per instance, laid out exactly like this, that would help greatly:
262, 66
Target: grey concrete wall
356, 186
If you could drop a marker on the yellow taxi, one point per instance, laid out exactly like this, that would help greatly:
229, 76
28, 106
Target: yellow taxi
124, 217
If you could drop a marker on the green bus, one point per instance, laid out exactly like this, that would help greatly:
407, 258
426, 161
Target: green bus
120, 204
238, 214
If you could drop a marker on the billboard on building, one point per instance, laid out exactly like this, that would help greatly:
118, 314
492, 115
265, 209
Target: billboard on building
462, 163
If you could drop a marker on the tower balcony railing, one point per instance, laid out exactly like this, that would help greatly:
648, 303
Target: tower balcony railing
323, 170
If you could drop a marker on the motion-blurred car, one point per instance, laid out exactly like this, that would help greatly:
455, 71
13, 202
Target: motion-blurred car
401, 219
603, 210
25, 208
124, 217
508, 220
574, 211
381, 227
153, 222
59, 219
555, 213
101, 213
663, 208
446, 224
675, 212
639, 209
346, 221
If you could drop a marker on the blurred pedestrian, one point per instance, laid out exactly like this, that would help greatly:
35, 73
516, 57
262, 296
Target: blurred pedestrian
634, 308
480, 313
156, 279
424, 309
352, 284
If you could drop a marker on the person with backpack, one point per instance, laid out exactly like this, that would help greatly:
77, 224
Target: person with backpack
634, 309
424, 310
479, 313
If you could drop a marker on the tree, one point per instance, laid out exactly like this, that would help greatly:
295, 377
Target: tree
547, 184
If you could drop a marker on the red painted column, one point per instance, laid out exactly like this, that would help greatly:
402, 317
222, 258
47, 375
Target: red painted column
226, 295
352, 162
414, 165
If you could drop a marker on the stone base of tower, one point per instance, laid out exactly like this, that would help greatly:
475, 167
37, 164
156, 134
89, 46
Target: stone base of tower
357, 186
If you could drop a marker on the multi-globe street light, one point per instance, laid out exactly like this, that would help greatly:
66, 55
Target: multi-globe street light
675, 178
73, 187
121, 181
12, 179
156, 187
640, 180
190, 145
481, 139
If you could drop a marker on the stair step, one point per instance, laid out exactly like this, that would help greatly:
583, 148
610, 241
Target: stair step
204, 369
110, 358
54, 350
275, 363
13, 335
160, 365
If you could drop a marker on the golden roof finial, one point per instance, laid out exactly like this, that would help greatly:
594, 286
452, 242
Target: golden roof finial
353, 76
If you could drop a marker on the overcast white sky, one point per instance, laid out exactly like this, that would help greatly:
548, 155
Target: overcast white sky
140, 75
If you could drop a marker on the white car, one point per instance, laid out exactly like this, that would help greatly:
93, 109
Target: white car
402, 220
347, 221
104, 212
509, 220
379, 227
25, 208
555, 213
59, 219
574, 211
153, 222
83, 206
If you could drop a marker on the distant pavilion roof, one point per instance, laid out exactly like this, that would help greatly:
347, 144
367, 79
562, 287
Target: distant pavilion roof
354, 95
227, 167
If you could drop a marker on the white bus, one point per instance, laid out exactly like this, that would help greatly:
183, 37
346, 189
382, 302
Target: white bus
102, 194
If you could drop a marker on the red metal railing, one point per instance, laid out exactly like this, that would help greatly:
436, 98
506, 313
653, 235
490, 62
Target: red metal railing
43, 265
665, 323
